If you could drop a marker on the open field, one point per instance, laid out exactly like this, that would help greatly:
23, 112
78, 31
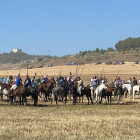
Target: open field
70, 122
73, 122
110, 71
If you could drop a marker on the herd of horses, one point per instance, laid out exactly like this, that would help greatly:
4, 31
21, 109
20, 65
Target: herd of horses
53, 92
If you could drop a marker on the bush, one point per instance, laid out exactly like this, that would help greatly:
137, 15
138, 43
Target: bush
137, 55
98, 58
106, 57
40, 59
77, 56
23, 65
88, 58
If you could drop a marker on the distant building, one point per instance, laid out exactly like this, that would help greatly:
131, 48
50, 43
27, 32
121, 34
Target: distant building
17, 50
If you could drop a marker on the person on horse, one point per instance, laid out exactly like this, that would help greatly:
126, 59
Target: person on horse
134, 82
80, 85
33, 82
45, 79
9, 80
100, 81
15, 84
129, 81
95, 82
56, 80
38, 80
4, 80
105, 82
27, 81
61, 82
17, 81
69, 80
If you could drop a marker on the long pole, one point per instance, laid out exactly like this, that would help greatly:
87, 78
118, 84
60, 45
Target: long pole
76, 70
82, 70
104, 72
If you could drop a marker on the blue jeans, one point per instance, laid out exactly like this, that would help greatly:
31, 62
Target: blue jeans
94, 87
80, 90
133, 86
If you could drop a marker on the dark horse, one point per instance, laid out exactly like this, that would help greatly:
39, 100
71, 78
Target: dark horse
86, 91
33, 91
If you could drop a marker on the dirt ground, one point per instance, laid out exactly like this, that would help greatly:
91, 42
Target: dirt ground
109, 71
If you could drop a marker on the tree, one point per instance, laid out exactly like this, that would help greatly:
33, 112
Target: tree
40, 59
110, 49
15, 60
102, 51
97, 50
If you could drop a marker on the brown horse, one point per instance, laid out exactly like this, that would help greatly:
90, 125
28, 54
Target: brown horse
19, 92
108, 93
46, 88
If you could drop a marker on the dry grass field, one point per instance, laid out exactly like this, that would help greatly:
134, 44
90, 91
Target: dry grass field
116, 121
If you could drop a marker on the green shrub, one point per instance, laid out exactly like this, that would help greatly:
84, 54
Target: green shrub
23, 65
89, 58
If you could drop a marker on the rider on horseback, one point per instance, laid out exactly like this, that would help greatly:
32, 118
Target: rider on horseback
134, 82
15, 84
27, 81
80, 85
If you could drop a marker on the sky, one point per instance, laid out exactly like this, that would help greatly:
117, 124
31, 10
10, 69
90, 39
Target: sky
66, 26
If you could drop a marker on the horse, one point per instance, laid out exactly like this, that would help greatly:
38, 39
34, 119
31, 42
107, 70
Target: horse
136, 88
18, 92
108, 92
98, 91
33, 91
58, 91
118, 93
85, 91
46, 88
127, 88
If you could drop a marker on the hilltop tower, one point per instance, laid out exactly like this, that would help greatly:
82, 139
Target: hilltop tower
17, 50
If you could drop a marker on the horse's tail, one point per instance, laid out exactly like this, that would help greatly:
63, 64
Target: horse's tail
36, 97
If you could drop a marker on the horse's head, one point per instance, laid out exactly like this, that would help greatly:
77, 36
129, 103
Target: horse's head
103, 86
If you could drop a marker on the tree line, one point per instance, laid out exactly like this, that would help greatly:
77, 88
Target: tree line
128, 44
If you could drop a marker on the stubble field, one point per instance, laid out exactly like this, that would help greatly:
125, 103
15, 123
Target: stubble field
116, 121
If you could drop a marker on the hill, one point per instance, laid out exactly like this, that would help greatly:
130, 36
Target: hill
18, 57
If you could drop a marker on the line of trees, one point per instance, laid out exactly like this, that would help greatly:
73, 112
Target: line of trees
128, 44
97, 50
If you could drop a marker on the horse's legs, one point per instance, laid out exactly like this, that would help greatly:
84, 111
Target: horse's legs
1, 97
133, 95
91, 99
96, 98
40, 95
87, 99
82, 98
19, 100
56, 97
24, 100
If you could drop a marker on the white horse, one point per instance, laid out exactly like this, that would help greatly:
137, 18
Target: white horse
136, 88
129, 89
98, 92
